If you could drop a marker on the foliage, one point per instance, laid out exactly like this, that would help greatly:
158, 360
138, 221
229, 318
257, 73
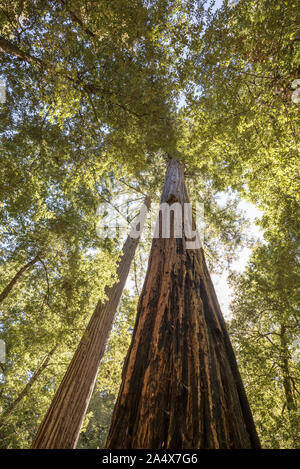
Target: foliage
239, 122
265, 331
50, 307
97, 94
109, 378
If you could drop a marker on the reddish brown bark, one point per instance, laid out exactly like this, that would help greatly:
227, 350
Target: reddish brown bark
62, 423
181, 387
77, 20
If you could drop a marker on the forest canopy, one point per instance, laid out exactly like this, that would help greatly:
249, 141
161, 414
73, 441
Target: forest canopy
96, 99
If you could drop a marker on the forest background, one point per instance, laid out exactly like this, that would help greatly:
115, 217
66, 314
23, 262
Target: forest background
95, 95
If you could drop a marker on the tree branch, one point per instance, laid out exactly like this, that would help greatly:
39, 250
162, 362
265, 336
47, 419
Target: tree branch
15, 279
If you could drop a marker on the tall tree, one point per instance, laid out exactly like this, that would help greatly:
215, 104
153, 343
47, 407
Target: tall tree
181, 387
265, 329
62, 423
97, 421
16, 277
92, 89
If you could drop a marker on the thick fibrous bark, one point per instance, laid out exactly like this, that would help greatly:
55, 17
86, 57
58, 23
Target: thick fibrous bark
62, 423
181, 387
15, 279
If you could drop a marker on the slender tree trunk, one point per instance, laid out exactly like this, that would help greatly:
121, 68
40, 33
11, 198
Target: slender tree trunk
9, 48
14, 280
77, 20
27, 387
62, 423
181, 387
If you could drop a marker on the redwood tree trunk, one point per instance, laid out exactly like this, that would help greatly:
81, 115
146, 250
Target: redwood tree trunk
62, 423
181, 387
